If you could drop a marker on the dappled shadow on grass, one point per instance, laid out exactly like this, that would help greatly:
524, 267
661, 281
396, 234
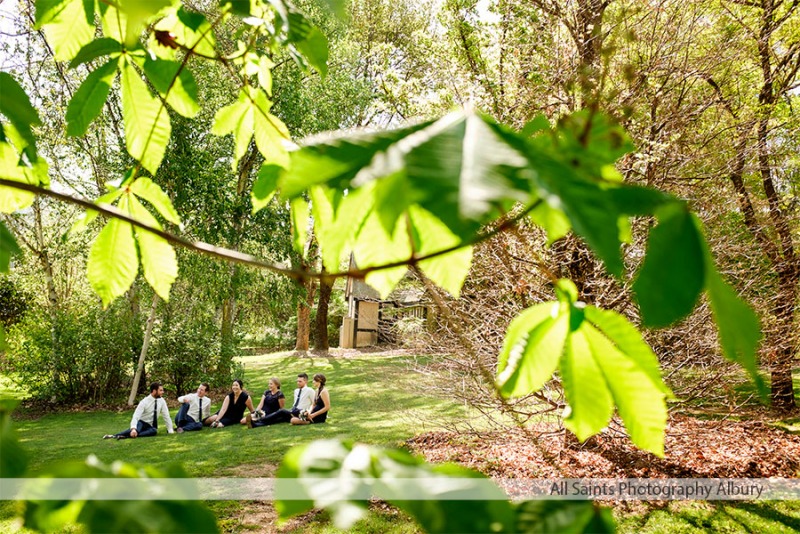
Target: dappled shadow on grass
714, 516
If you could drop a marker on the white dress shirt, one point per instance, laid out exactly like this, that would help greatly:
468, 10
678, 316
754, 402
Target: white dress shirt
306, 396
194, 406
144, 412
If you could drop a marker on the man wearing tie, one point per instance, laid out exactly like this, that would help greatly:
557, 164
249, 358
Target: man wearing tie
145, 419
195, 409
303, 399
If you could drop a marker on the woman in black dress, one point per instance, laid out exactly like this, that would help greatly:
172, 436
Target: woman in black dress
272, 401
233, 406
322, 404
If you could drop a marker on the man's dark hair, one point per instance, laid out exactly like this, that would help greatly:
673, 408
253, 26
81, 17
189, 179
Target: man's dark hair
154, 386
206, 386
303, 375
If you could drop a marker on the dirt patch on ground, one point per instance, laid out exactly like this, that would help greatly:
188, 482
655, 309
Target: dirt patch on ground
383, 350
260, 517
694, 448
267, 470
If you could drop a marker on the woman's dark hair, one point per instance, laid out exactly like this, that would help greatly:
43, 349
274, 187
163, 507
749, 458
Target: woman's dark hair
319, 377
239, 381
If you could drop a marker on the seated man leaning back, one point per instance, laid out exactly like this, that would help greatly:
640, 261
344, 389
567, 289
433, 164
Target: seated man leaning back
195, 409
144, 422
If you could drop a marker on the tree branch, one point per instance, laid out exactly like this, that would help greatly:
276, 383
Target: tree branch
235, 256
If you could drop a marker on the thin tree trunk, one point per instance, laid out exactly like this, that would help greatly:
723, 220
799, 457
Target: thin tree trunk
43, 255
779, 250
145, 345
321, 341
304, 316
226, 330
784, 344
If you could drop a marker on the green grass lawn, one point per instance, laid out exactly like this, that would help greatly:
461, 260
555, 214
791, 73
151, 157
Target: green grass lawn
373, 400
376, 399
774, 517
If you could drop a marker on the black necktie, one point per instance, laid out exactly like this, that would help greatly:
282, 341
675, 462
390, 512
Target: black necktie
155, 414
297, 398
200, 410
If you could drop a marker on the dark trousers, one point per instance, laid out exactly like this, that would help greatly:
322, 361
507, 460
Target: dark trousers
144, 430
281, 416
182, 420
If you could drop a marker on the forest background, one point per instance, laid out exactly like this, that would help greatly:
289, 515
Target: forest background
706, 90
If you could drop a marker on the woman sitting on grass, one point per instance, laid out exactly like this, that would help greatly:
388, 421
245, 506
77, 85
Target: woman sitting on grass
233, 406
272, 401
322, 404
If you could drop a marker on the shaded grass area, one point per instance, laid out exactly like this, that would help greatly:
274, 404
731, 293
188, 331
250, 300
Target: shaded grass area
731, 517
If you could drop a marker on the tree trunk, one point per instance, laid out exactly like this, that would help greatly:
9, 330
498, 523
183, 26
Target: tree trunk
43, 255
227, 344
784, 340
321, 341
787, 265
304, 316
588, 35
142, 355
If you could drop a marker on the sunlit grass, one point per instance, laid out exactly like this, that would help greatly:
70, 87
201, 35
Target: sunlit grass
375, 399
731, 517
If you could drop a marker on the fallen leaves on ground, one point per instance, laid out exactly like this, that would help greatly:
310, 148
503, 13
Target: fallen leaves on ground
694, 448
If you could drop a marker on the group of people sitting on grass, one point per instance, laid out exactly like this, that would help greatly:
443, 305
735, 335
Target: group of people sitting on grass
310, 406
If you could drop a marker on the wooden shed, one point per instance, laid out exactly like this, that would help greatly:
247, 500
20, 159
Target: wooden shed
370, 319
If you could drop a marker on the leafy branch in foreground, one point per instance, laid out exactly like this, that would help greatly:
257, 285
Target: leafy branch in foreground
446, 498
8, 245
469, 170
355, 185
603, 361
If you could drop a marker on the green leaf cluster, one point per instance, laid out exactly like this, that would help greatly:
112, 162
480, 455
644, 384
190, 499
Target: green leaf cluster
18, 158
603, 362
445, 493
396, 181
249, 117
184, 514
113, 259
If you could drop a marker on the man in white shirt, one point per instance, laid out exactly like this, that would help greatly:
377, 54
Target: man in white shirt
195, 409
303, 400
145, 419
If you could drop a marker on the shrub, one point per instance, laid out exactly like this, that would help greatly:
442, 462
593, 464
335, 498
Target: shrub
185, 350
75, 355
13, 302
